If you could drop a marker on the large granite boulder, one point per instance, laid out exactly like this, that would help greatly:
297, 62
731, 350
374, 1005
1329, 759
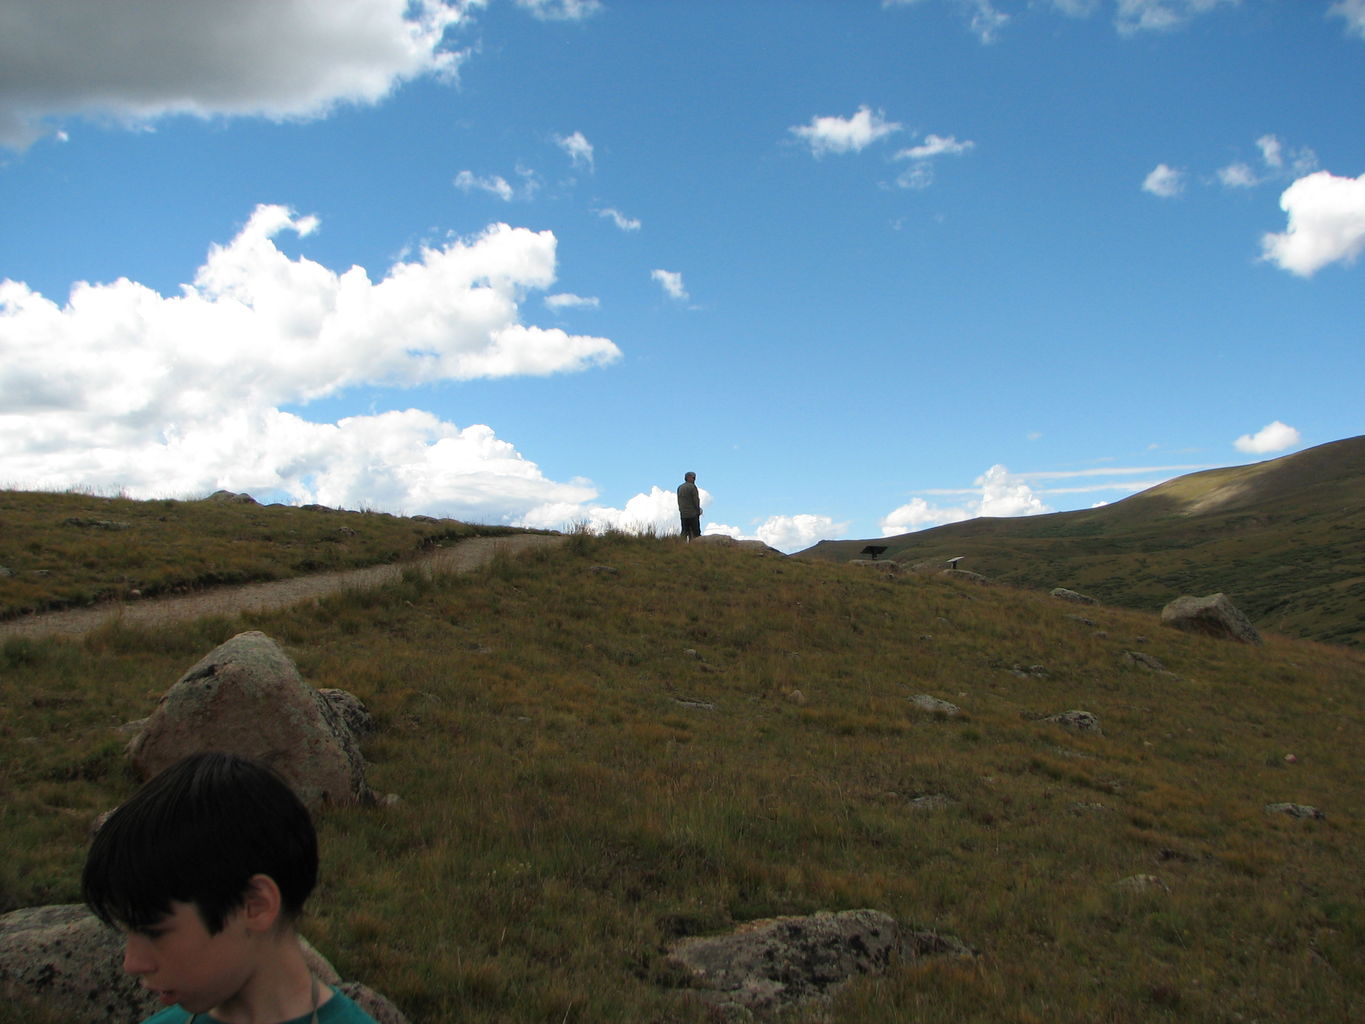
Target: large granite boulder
766, 966
1214, 616
64, 959
247, 697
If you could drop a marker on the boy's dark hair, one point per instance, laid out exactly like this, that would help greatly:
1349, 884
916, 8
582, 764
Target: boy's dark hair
197, 833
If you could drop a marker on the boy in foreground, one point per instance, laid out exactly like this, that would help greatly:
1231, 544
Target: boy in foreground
205, 871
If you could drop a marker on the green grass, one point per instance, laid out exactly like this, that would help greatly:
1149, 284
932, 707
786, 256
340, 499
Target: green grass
592, 764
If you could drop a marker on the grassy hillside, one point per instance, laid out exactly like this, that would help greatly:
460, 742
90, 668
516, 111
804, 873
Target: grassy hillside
60, 550
1285, 539
619, 741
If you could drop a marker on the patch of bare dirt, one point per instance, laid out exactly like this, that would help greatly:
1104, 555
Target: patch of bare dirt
249, 597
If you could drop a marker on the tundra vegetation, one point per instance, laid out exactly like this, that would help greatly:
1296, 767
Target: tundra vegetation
1285, 538
606, 745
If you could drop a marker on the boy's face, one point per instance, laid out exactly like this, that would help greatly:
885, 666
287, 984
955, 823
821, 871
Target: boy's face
179, 961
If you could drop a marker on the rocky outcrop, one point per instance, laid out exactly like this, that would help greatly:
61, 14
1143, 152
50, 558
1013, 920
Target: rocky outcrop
1077, 721
230, 498
1071, 595
767, 966
1304, 811
1214, 616
67, 961
247, 697
935, 705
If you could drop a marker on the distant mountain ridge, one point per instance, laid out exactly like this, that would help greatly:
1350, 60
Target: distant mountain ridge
1285, 539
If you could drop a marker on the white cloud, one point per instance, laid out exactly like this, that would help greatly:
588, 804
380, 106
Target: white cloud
1006, 495
124, 388
997, 492
845, 134
920, 174
1166, 182
1273, 437
578, 148
134, 62
619, 219
1278, 164
1161, 15
985, 20
1076, 8
561, 10
1238, 175
917, 514
468, 181
1354, 13
655, 511
672, 283
568, 300
1326, 224
495, 184
795, 533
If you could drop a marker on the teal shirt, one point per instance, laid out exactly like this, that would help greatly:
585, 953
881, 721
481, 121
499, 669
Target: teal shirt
337, 1010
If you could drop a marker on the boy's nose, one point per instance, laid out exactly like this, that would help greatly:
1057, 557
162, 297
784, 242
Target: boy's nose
136, 958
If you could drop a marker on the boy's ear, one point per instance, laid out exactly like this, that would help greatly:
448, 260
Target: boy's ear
262, 904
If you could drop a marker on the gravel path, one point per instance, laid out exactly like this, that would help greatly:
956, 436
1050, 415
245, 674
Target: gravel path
249, 597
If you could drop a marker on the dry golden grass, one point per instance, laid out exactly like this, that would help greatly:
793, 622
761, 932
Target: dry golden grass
593, 763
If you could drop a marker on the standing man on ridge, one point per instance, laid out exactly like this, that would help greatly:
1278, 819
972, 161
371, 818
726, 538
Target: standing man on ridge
689, 507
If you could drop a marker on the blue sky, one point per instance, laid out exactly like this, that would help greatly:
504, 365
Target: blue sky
864, 267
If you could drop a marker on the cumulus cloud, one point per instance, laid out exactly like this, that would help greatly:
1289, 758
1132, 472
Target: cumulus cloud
997, 492
1326, 224
578, 148
794, 533
124, 388
654, 511
918, 514
1273, 437
133, 62
1165, 182
1353, 11
845, 134
671, 281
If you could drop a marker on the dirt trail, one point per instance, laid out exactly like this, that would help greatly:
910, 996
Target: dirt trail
461, 557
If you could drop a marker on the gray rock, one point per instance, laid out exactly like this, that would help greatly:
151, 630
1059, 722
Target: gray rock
378, 1007
1214, 616
1143, 660
247, 697
64, 959
935, 705
351, 710
1295, 811
1142, 883
964, 574
771, 964
931, 802
229, 497
1080, 721
1072, 596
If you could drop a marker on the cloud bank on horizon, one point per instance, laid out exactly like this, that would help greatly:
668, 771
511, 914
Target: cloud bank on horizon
120, 388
